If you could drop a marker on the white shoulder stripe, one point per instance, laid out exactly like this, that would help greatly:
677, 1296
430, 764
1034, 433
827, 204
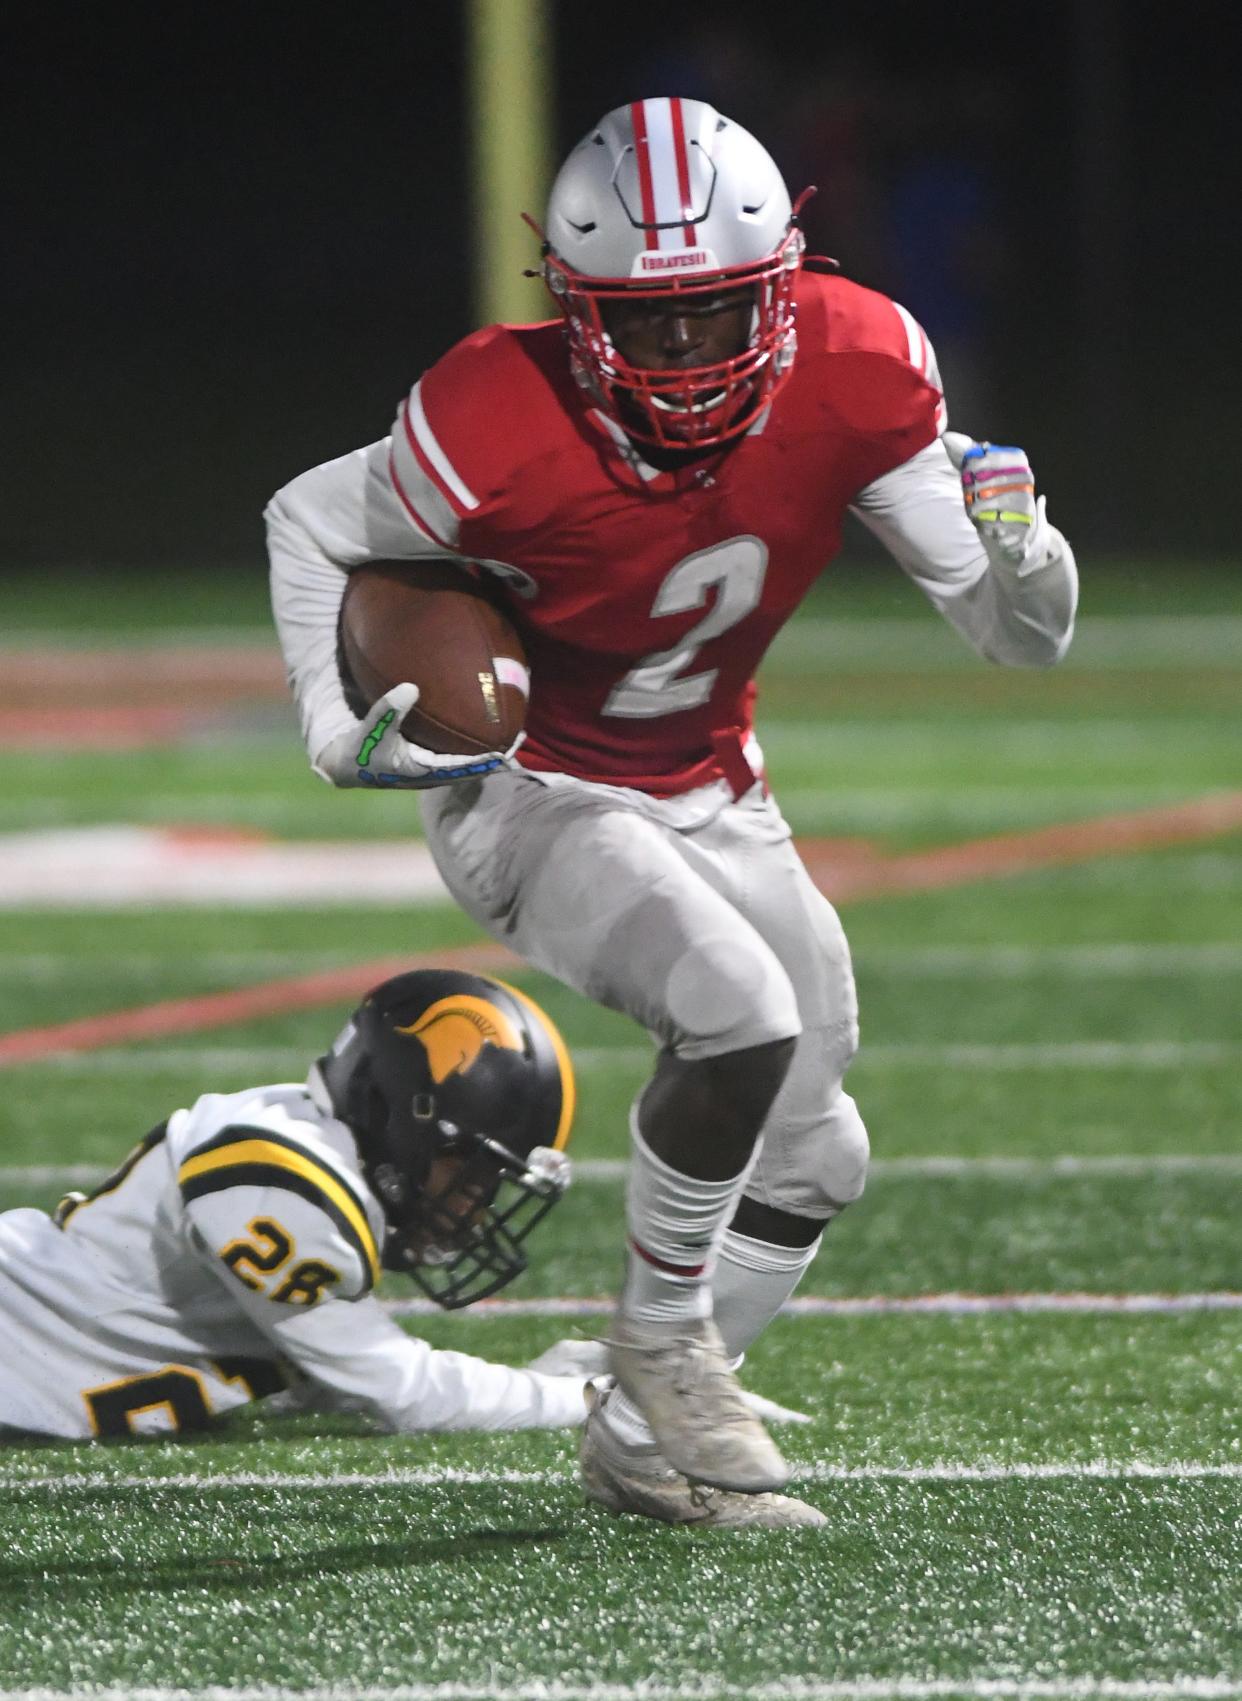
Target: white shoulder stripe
425, 505
435, 454
916, 342
408, 510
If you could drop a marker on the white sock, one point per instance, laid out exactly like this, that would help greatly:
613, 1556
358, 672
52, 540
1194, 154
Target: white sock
676, 1223
751, 1281
625, 1420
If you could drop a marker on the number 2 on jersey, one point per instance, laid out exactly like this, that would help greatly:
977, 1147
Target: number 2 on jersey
660, 684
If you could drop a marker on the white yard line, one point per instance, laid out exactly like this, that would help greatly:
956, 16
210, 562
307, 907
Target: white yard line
844, 809
1068, 1054
257, 1062
1065, 1167
877, 1305
261, 1062
699, 1688
1126, 643
1154, 871
51, 1175
1125, 640
971, 962
446, 1476
141, 965
1004, 962
868, 811
22, 636
1010, 734
290, 816
120, 865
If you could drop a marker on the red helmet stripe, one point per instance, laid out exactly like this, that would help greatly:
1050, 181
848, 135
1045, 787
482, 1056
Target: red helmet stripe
683, 169
642, 153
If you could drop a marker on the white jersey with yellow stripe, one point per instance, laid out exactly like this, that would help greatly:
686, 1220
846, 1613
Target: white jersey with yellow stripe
272, 1187
233, 1252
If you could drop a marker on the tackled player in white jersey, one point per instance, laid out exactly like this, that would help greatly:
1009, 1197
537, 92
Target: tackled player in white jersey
234, 1252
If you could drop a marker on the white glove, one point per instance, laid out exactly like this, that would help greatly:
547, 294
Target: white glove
998, 488
374, 753
578, 1357
768, 1411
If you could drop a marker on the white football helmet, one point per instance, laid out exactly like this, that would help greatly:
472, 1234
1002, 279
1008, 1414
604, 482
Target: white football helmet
667, 198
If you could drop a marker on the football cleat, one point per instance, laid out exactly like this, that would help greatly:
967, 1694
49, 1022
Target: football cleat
679, 1379
588, 1357
638, 1480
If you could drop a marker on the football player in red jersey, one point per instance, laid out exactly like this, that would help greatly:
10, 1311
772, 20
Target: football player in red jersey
657, 477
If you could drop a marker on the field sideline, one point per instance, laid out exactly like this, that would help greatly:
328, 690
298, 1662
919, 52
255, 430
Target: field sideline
1019, 1355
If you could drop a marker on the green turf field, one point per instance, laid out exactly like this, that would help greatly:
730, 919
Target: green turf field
1041, 1497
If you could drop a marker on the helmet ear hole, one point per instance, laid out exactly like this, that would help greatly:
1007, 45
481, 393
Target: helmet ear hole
391, 1185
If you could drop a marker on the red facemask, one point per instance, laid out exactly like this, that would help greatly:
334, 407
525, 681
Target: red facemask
690, 407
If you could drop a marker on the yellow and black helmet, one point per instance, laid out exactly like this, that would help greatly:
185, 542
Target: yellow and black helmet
460, 1093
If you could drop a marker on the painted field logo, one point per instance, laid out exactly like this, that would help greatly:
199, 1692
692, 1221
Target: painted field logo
454, 1031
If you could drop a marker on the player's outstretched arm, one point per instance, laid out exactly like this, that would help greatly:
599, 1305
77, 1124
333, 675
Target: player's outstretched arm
963, 520
365, 1362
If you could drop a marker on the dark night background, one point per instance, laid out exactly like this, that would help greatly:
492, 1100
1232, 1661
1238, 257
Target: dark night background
234, 236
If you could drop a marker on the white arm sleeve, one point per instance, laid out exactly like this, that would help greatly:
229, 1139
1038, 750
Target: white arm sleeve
367, 1363
1022, 616
324, 522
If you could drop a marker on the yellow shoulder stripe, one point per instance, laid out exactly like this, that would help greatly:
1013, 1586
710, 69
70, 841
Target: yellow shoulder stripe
267, 1152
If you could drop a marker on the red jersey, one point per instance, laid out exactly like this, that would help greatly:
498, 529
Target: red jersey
646, 599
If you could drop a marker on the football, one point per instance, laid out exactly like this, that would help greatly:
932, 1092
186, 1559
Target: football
442, 628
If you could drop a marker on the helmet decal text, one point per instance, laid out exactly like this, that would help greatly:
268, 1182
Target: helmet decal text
675, 260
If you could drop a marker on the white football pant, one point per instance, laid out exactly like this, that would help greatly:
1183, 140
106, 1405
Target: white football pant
712, 936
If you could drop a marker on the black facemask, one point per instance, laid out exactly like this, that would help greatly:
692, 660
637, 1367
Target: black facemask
459, 1255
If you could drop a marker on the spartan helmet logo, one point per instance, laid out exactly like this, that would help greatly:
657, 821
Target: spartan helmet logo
454, 1030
